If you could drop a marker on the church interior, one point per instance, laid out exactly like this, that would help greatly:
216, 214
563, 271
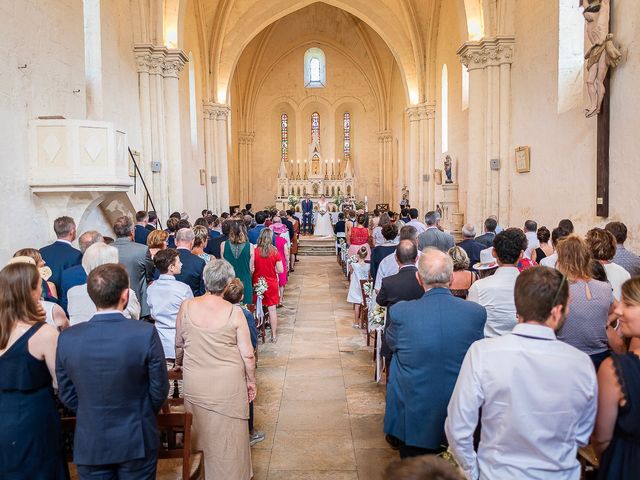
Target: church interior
197, 91
472, 108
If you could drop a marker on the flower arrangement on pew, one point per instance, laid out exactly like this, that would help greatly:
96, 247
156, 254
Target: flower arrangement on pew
259, 288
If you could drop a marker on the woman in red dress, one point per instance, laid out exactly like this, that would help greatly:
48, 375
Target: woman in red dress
359, 236
267, 264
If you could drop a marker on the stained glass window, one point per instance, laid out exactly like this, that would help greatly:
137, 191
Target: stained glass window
315, 126
346, 150
284, 137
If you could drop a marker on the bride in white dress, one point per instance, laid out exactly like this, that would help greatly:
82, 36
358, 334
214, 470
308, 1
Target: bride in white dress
324, 228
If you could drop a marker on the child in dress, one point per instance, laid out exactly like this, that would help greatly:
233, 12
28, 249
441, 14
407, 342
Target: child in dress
359, 271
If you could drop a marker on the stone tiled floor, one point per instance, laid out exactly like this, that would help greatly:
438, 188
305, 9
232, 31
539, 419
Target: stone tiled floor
317, 402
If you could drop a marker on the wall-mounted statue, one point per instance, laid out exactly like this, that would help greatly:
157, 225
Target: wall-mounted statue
448, 167
601, 55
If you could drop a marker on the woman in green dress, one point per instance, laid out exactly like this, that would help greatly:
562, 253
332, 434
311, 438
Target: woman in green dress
239, 253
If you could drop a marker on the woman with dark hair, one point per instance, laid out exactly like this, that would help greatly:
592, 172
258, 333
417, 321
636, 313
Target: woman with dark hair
359, 236
603, 248
617, 433
30, 432
239, 252
545, 249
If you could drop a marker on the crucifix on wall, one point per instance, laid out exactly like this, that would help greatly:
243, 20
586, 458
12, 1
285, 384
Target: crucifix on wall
600, 56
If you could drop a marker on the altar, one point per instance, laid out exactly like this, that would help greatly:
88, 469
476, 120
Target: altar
315, 176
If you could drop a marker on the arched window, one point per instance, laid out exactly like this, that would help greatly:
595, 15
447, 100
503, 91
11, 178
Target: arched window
570, 55
444, 104
465, 87
284, 137
193, 108
346, 145
315, 69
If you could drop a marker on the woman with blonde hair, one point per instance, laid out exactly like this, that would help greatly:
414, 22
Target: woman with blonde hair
30, 432
213, 346
200, 242
156, 241
80, 307
617, 432
48, 288
590, 303
268, 265
462, 278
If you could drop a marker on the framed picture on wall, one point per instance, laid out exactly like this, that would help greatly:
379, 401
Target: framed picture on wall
523, 159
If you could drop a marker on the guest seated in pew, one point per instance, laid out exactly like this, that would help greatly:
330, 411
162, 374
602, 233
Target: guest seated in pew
30, 433
213, 346
534, 395
111, 371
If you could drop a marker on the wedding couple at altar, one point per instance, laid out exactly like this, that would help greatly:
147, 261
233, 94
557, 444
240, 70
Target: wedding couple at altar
323, 226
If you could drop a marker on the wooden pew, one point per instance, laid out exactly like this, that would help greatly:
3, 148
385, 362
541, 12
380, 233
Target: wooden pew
174, 461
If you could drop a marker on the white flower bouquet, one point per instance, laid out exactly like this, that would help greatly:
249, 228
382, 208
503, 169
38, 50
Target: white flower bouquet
368, 289
352, 259
377, 315
260, 287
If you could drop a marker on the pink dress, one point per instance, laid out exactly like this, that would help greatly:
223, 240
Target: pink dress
280, 244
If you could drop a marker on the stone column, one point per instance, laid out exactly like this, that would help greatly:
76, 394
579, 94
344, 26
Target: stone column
174, 62
216, 153
385, 159
489, 64
150, 61
245, 150
421, 165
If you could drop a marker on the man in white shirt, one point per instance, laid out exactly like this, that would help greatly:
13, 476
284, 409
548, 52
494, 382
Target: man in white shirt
165, 296
414, 222
537, 395
389, 265
531, 232
495, 293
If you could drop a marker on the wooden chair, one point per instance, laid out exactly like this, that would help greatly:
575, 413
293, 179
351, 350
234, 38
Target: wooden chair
174, 462
364, 309
174, 404
589, 463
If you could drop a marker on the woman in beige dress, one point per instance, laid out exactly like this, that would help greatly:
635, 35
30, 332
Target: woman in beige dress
213, 346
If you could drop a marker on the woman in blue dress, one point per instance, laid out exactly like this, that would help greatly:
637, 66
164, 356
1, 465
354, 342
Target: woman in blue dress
30, 433
617, 432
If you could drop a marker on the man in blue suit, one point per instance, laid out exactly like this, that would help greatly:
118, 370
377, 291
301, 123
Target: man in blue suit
61, 255
112, 372
76, 275
255, 232
307, 215
192, 265
141, 233
429, 338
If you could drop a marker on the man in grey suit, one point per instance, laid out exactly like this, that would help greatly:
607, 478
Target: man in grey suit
433, 236
136, 259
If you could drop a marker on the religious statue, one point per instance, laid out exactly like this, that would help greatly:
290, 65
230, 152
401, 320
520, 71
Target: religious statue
448, 164
601, 55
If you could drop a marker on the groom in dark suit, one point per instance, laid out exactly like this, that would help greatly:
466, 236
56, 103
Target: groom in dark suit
307, 215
